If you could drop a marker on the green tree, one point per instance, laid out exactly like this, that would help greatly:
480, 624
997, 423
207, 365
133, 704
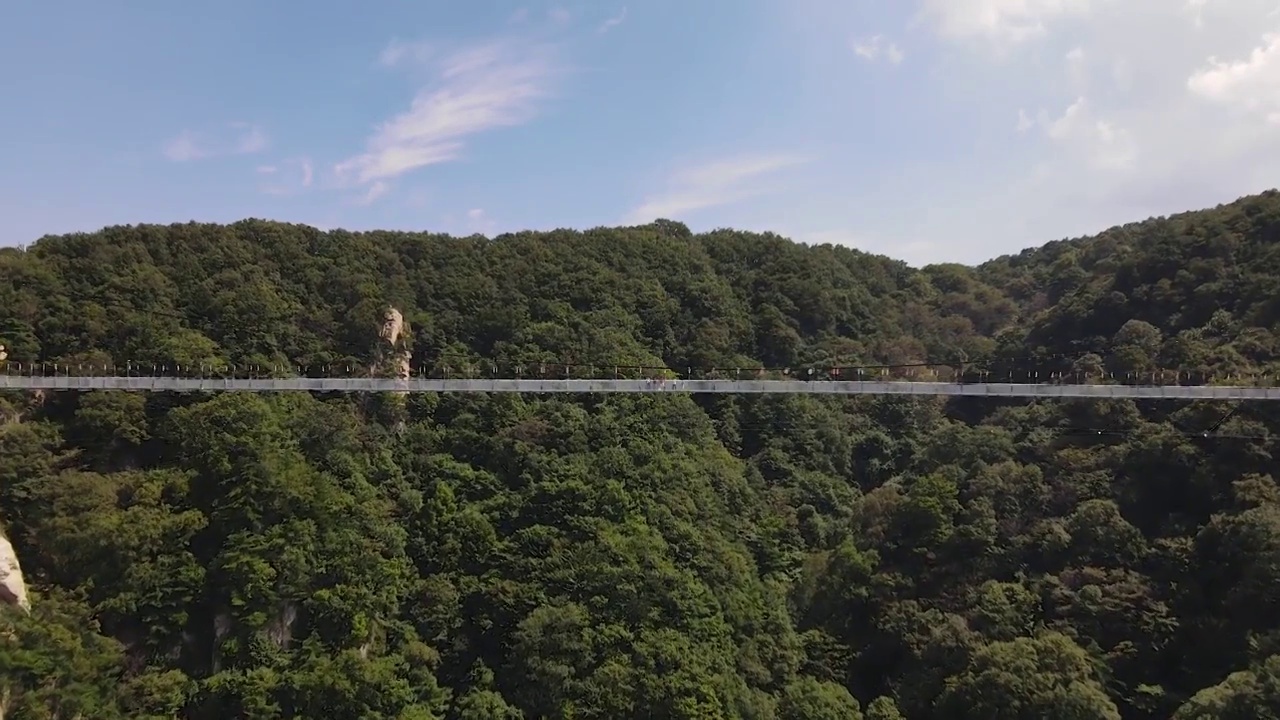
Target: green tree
1044, 677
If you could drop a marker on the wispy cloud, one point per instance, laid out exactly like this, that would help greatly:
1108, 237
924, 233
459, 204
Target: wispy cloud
478, 88
287, 177
613, 22
237, 138
877, 47
397, 52
559, 15
1025, 122
375, 190
716, 183
1194, 9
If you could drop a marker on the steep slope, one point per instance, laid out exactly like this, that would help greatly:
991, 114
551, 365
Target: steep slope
1197, 291
665, 557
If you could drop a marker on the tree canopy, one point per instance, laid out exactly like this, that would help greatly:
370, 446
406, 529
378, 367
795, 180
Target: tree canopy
759, 557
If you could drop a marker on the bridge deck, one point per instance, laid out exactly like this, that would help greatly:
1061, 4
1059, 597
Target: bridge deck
823, 387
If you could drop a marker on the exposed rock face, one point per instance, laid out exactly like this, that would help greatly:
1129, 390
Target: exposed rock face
13, 587
280, 629
392, 326
397, 361
392, 358
221, 626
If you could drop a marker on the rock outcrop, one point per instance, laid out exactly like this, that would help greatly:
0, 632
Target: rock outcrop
397, 357
13, 587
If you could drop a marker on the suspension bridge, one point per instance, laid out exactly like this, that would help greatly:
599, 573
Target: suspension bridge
457, 374
652, 385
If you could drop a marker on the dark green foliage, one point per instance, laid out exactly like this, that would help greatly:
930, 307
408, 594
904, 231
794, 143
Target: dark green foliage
458, 557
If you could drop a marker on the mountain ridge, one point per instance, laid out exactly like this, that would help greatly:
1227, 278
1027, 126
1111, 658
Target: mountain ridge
443, 556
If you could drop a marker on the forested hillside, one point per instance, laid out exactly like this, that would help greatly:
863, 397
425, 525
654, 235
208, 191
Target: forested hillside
788, 557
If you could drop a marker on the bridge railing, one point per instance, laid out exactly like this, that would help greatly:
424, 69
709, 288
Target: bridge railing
579, 386
485, 370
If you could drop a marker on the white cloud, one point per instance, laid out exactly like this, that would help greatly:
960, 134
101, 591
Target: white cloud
613, 22
1003, 22
712, 184
237, 138
288, 177
1250, 86
1130, 110
877, 47
1079, 127
475, 89
479, 222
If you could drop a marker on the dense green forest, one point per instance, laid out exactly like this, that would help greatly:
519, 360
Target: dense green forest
791, 557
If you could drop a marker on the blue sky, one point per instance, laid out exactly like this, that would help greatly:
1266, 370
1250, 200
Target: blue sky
928, 130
